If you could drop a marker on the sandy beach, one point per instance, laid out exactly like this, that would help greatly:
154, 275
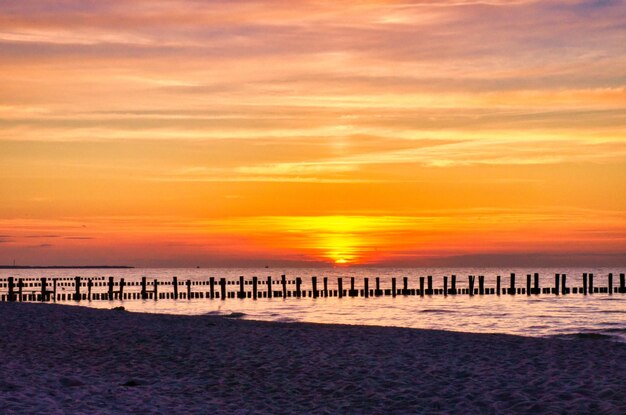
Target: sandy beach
64, 359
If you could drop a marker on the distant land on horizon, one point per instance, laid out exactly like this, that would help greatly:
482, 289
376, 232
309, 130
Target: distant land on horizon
65, 267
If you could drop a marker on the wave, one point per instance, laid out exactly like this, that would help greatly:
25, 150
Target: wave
437, 310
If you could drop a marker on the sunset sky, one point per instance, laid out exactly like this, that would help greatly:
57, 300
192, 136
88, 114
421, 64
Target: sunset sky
230, 133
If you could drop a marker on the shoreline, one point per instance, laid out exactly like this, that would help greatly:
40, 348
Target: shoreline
79, 359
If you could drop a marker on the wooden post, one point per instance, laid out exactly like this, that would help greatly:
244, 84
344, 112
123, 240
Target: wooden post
622, 283
156, 289
556, 283
591, 283
481, 284
393, 287
269, 287
421, 286
144, 291
77, 286
610, 283
512, 287
110, 288
453, 284
254, 287
11, 289
340, 286
405, 290
89, 285
222, 289
122, 284
20, 288
314, 286
211, 287
283, 280
366, 288
537, 290
242, 290
54, 289
352, 290
175, 286
429, 280
325, 286
298, 287
471, 285
377, 291
528, 288
44, 294
445, 286
564, 284
585, 283
188, 289
498, 278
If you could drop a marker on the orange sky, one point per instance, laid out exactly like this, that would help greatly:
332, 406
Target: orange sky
183, 133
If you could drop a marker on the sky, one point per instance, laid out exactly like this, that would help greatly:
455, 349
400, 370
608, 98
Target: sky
312, 133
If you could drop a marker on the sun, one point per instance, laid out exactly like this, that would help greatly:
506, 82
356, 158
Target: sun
341, 261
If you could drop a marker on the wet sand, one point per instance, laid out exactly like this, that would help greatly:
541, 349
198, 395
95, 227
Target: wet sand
65, 359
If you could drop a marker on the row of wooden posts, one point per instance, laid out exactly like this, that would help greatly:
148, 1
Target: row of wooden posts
150, 291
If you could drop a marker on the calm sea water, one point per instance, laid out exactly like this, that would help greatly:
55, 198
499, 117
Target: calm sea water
542, 315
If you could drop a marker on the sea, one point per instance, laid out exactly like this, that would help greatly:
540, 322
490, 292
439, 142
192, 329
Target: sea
597, 316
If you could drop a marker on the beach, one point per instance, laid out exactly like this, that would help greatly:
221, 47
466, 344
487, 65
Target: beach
68, 359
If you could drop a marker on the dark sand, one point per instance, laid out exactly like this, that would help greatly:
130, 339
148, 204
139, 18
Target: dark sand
63, 359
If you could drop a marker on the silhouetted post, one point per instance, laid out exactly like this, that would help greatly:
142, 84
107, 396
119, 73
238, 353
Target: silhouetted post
223, 289
622, 283
188, 289
89, 285
366, 288
43, 289
122, 284
242, 291
110, 287
564, 284
144, 290
156, 289
212, 287
422, 286
325, 286
405, 290
445, 286
481, 284
429, 281
591, 283
556, 284
283, 280
254, 287
537, 289
610, 283
20, 289
298, 287
377, 291
528, 289
512, 288
352, 290
314, 286
11, 289
77, 287
269, 287
340, 286
393, 287
471, 284
54, 289
498, 285
453, 284
585, 283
